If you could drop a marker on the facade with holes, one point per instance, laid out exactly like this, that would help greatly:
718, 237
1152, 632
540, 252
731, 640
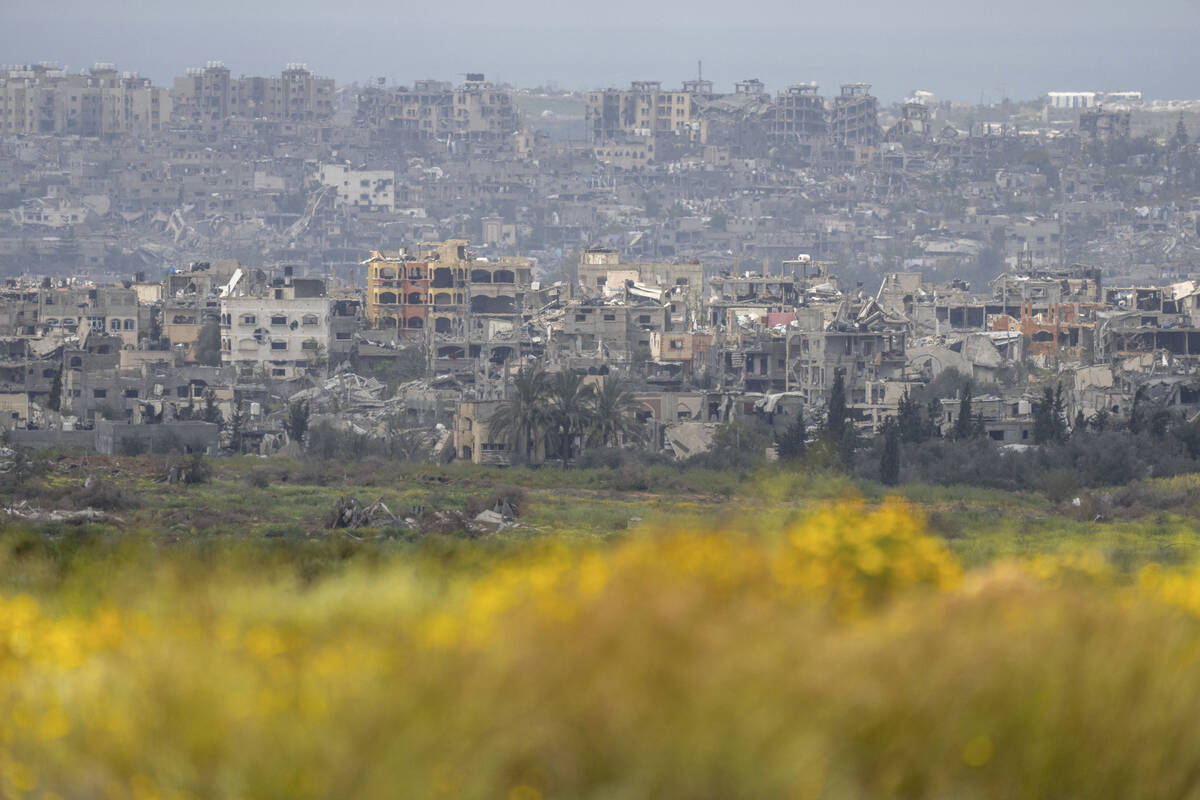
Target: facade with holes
288, 329
468, 307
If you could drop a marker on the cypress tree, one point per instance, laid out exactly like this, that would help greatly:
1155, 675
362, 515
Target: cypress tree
964, 425
1043, 418
791, 445
847, 445
54, 401
933, 419
1060, 416
912, 428
836, 419
889, 462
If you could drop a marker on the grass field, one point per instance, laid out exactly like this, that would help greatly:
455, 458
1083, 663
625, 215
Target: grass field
701, 634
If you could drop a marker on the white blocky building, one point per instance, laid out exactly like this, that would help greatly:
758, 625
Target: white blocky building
286, 329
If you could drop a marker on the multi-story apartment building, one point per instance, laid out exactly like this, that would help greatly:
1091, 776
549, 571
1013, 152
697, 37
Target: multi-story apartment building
854, 117
799, 124
363, 189
71, 311
44, 99
870, 361
210, 94
642, 110
286, 328
469, 307
476, 110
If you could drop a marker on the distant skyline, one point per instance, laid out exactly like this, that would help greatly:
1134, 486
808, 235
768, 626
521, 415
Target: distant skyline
963, 51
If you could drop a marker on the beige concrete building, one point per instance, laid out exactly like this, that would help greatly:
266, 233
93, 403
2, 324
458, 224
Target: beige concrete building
631, 154
211, 94
643, 109
44, 99
478, 109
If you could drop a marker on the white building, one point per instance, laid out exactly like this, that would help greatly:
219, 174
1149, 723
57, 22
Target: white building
366, 189
286, 329
1072, 99
1080, 100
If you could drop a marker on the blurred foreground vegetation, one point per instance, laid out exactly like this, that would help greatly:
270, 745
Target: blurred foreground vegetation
662, 633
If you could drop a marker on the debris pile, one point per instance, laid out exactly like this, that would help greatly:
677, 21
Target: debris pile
349, 513
23, 511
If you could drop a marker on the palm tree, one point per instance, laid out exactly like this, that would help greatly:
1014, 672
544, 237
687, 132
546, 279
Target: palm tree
523, 416
613, 407
570, 409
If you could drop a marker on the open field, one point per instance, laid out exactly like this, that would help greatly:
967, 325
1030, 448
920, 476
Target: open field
764, 634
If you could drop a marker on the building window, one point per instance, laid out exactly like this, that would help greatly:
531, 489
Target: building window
249, 319
99, 394
279, 345
279, 319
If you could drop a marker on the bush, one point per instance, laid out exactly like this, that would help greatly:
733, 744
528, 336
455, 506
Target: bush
629, 479
93, 492
189, 470
1060, 484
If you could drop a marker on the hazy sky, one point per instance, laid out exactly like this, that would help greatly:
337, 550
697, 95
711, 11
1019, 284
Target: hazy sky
959, 49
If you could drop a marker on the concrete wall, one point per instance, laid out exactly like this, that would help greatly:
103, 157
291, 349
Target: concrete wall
193, 437
71, 440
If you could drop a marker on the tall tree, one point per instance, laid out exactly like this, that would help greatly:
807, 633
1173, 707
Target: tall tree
208, 344
570, 409
521, 419
54, 401
791, 445
835, 420
296, 423
889, 462
236, 422
1137, 414
964, 426
211, 412
847, 446
909, 420
1180, 139
933, 418
1060, 416
613, 408
1043, 418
